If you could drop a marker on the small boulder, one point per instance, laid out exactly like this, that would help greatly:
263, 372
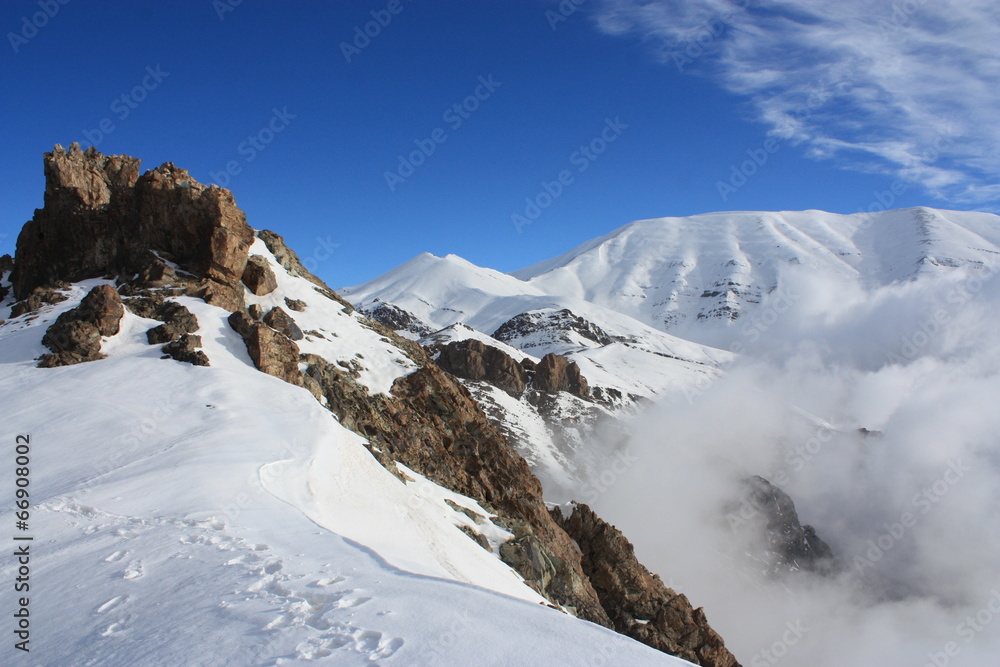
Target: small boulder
72, 341
75, 336
185, 349
271, 351
295, 304
256, 312
279, 320
258, 276
103, 308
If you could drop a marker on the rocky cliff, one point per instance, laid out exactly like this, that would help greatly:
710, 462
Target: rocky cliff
163, 234
101, 218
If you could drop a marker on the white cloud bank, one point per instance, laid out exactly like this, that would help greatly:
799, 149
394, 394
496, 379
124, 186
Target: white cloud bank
910, 511
908, 88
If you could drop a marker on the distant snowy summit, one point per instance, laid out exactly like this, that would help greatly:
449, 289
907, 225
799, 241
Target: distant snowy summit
696, 277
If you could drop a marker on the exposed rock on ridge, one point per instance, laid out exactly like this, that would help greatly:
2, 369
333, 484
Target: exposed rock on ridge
101, 218
474, 360
638, 603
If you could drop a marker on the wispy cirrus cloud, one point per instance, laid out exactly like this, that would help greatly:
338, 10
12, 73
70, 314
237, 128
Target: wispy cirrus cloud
909, 88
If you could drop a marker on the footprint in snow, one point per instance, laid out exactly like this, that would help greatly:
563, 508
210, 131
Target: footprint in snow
356, 602
370, 643
116, 556
114, 602
133, 571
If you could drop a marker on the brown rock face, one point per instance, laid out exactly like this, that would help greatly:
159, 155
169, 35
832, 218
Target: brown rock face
186, 349
272, 352
78, 234
279, 320
75, 336
258, 276
103, 308
72, 342
100, 217
557, 373
473, 360
629, 594
200, 226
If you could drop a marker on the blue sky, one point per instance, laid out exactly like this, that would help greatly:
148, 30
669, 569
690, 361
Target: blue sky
568, 124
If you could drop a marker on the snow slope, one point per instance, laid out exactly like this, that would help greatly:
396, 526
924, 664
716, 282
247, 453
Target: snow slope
186, 515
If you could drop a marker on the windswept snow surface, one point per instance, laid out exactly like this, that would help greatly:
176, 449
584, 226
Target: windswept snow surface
187, 515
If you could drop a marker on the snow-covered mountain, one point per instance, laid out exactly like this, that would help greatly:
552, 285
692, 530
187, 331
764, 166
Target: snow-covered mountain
696, 276
231, 465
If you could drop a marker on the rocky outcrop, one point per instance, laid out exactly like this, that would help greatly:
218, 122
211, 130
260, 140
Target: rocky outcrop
101, 218
177, 319
272, 352
200, 226
258, 276
637, 602
39, 297
554, 325
473, 360
75, 336
397, 319
78, 233
186, 349
295, 304
783, 543
279, 320
557, 373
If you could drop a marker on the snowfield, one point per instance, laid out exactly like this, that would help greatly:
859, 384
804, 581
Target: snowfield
187, 515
